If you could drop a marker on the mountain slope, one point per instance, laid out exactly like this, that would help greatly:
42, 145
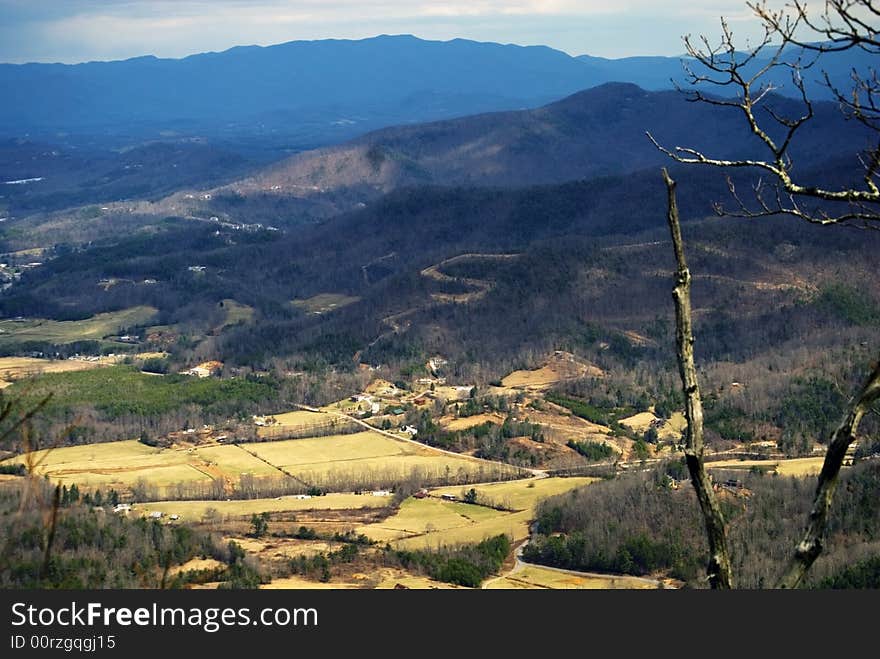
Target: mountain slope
597, 132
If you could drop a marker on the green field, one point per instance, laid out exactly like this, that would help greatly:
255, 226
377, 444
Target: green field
119, 390
69, 331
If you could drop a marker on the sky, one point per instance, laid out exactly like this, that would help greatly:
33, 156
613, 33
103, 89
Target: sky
84, 30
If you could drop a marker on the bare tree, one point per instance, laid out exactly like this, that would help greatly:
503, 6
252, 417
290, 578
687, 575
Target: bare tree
794, 39
718, 571
742, 79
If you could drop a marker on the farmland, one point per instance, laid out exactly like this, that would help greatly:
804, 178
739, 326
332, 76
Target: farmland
531, 577
562, 366
15, 368
121, 465
196, 510
16, 332
119, 390
520, 495
432, 522
372, 460
794, 467
345, 462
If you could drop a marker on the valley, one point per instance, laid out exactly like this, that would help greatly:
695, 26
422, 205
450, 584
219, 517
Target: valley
420, 332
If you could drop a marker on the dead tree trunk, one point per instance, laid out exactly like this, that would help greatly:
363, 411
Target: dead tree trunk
718, 571
810, 546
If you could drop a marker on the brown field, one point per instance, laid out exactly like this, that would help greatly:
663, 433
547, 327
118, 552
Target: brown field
567, 425
561, 366
196, 564
390, 578
463, 423
235, 313
298, 583
667, 429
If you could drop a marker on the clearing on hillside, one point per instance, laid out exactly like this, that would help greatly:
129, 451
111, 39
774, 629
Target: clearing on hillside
667, 429
97, 327
560, 367
325, 302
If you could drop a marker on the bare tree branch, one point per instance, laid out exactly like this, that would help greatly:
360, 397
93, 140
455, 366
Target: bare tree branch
810, 546
719, 570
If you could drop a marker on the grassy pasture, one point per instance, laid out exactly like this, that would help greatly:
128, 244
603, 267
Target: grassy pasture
533, 577
196, 510
300, 421
432, 522
68, 331
521, 494
121, 464
515, 525
420, 516
331, 450
366, 457
800, 467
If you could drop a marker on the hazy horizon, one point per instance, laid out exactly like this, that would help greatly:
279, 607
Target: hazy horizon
102, 30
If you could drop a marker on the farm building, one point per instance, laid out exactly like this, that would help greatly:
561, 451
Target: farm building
205, 369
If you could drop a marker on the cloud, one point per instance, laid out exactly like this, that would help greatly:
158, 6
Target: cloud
77, 30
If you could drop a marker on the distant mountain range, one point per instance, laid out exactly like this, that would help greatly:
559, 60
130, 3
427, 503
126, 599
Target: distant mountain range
316, 92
